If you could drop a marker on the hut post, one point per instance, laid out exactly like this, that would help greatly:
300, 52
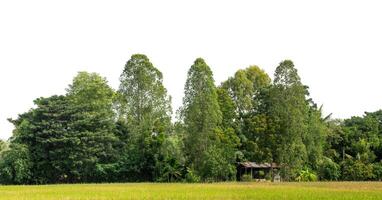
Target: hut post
251, 172
272, 172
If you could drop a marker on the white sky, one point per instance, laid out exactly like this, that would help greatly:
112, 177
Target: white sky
336, 45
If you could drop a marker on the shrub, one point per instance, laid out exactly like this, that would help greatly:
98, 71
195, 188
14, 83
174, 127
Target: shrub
268, 177
306, 175
246, 178
15, 165
356, 170
377, 171
261, 174
328, 169
217, 165
191, 177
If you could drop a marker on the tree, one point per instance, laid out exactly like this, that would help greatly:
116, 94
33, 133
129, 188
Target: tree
15, 165
244, 86
171, 159
306, 175
334, 145
355, 144
328, 170
246, 89
146, 111
288, 112
201, 117
377, 171
93, 123
200, 112
356, 170
227, 108
69, 137
3, 145
44, 132
217, 164
227, 135
315, 136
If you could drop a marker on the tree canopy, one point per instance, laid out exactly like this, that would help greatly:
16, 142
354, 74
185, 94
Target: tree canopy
145, 108
94, 133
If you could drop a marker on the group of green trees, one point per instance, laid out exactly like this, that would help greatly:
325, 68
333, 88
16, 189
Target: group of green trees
96, 134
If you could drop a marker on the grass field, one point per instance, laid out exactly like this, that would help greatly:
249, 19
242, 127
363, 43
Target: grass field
299, 191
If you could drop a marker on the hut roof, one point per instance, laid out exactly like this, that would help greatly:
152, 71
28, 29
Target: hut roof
258, 165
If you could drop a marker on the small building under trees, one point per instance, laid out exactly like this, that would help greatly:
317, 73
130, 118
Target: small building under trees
258, 171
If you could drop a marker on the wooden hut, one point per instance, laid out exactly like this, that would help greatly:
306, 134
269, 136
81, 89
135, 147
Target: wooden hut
258, 171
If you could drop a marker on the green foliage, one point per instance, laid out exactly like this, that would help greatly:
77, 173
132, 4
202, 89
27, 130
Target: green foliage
145, 113
246, 178
201, 116
315, 136
93, 134
334, 145
288, 113
15, 165
268, 177
45, 132
243, 86
144, 100
3, 146
257, 140
227, 108
306, 175
67, 136
217, 165
93, 125
329, 170
377, 171
191, 177
356, 170
171, 160
244, 111
355, 144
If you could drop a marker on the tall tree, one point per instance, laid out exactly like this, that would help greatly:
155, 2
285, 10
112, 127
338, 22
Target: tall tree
228, 140
45, 133
315, 137
289, 118
145, 109
69, 136
201, 116
93, 123
247, 90
244, 86
200, 112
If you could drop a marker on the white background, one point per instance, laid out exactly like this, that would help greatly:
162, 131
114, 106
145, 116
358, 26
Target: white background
335, 45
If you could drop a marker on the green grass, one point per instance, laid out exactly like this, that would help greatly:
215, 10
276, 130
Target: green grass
299, 191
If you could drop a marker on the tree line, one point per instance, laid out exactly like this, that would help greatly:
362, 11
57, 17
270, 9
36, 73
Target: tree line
96, 134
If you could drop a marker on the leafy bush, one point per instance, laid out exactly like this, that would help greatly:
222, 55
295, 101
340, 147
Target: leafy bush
170, 171
15, 165
268, 176
106, 172
356, 170
306, 175
377, 171
328, 170
261, 173
217, 165
246, 178
191, 177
